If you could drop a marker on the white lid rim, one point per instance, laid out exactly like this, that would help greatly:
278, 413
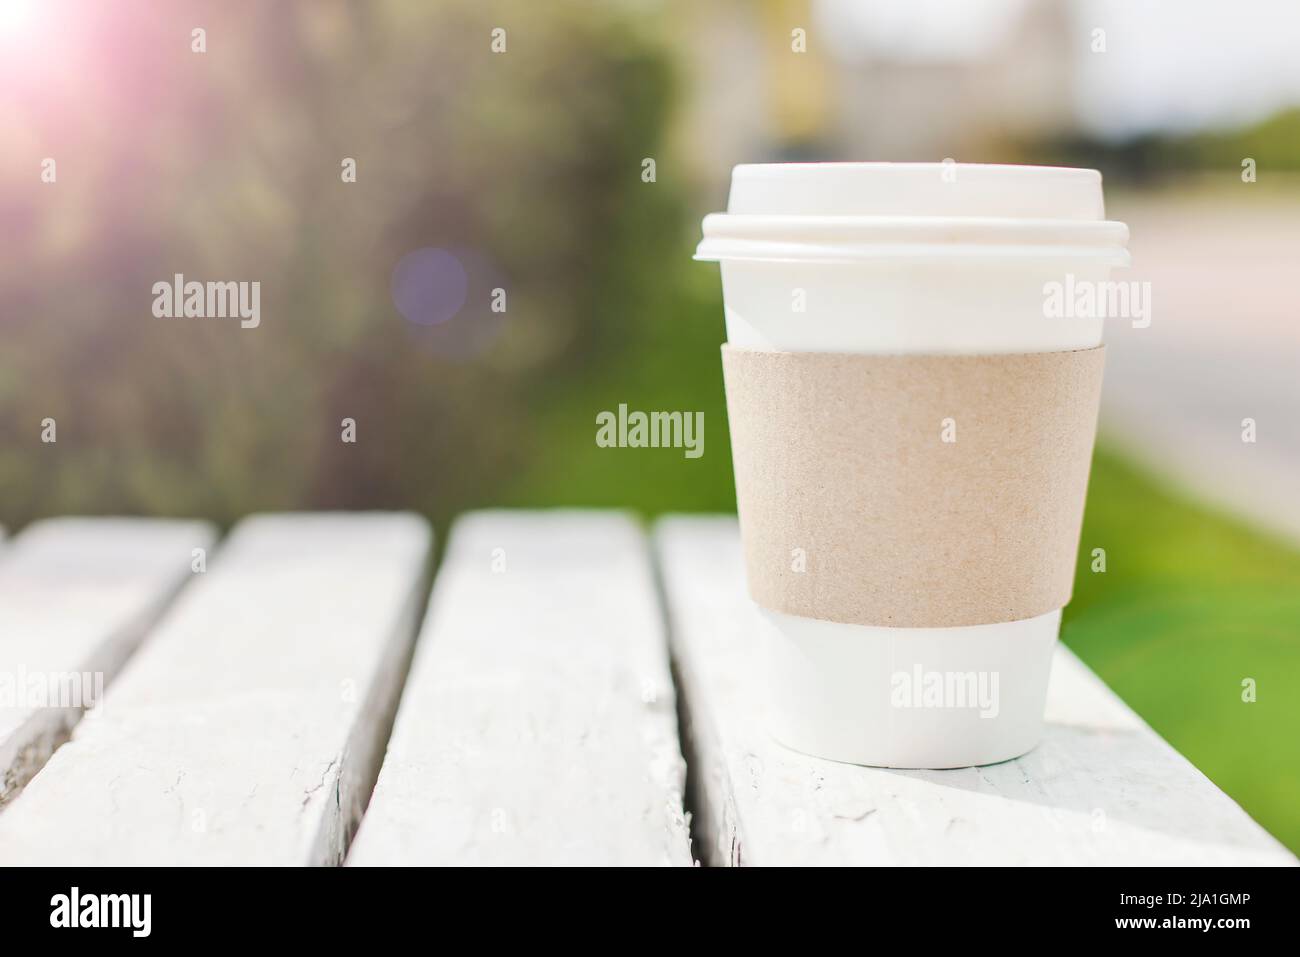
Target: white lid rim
739, 250
854, 211
854, 238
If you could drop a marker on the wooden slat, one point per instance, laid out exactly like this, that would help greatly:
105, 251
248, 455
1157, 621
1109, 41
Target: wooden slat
539, 723
1102, 788
76, 597
248, 728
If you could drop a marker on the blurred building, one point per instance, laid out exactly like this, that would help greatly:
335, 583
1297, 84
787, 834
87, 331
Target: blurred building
922, 93
917, 81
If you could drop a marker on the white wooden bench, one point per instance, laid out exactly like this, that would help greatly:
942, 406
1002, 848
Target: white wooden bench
253, 719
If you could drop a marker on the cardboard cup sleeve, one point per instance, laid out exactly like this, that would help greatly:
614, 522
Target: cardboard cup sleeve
911, 490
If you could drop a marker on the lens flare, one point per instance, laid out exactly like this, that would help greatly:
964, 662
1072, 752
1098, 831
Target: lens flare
15, 15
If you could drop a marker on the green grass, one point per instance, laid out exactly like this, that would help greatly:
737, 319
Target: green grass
1190, 605
674, 364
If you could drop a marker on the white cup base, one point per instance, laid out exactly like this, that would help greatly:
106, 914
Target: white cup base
908, 697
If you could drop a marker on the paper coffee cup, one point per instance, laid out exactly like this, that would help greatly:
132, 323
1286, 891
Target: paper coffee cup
859, 297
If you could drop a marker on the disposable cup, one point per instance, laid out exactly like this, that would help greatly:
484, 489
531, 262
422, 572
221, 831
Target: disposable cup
906, 259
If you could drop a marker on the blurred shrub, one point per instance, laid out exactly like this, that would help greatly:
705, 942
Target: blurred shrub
226, 166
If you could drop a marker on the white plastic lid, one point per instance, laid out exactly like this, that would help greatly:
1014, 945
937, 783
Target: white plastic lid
849, 211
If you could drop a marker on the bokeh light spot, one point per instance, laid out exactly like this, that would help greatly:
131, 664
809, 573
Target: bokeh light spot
429, 286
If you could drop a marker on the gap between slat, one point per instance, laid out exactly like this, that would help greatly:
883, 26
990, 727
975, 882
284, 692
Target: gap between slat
79, 596
233, 737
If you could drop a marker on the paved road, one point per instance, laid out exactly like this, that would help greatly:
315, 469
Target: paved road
1223, 345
